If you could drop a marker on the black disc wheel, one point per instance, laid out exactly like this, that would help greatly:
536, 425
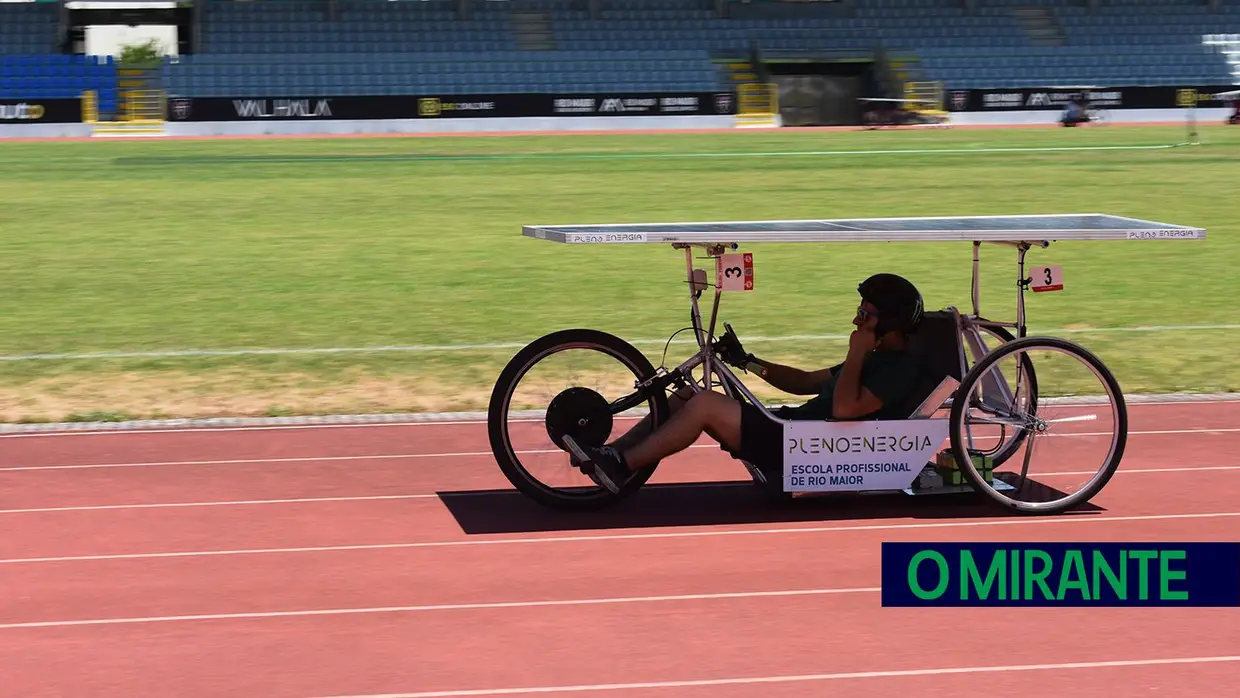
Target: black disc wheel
564, 384
1072, 443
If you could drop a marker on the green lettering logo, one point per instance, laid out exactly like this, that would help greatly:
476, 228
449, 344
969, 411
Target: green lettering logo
944, 575
1165, 575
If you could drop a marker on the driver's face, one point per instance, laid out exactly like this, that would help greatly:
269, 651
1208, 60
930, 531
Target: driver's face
867, 316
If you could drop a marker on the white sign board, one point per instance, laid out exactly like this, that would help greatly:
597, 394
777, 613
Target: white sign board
734, 272
824, 456
111, 39
1046, 279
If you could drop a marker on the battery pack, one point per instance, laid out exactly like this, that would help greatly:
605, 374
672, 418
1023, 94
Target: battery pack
945, 466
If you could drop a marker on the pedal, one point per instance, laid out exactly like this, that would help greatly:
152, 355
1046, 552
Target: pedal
574, 450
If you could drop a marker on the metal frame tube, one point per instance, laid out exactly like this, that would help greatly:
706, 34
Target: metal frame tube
977, 290
714, 314
966, 326
1020, 290
695, 313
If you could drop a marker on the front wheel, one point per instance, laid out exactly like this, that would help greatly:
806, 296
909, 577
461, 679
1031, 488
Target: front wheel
1075, 421
565, 383
1099, 117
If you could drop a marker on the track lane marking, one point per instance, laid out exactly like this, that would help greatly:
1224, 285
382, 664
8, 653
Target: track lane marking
478, 454
241, 424
487, 493
852, 675
1064, 521
437, 607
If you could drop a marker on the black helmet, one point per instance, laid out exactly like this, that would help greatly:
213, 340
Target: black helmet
897, 299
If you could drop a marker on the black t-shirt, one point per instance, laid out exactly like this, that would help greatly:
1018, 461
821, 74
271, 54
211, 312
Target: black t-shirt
890, 374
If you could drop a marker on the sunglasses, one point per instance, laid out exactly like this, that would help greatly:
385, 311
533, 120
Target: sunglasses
863, 313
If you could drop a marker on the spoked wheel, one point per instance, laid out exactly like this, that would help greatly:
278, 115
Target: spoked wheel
1077, 436
995, 388
565, 384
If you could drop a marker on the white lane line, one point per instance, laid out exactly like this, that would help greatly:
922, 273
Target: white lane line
319, 500
495, 346
793, 678
225, 503
1019, 521
438, 607
419, 419
1150, 432
248, 461
305, 459
448, 495
477, 454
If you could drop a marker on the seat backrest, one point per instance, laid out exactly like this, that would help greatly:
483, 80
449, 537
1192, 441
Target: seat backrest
936, 349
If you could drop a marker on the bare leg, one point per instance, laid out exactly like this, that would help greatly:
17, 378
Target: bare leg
709, 412
642, 429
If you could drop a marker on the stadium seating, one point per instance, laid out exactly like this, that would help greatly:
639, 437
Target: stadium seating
995, 47
50, 76
1123, 42
31, 68
289, 47
268, 48
27, 28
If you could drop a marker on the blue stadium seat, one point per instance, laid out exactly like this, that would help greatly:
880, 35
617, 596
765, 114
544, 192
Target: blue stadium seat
381, 47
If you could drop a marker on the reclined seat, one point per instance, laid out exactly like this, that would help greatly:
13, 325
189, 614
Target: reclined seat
936, 348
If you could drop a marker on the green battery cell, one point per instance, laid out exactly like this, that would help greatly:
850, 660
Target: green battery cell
945, 465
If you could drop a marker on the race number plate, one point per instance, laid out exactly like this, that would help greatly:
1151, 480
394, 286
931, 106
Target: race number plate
734, 272
1046, 279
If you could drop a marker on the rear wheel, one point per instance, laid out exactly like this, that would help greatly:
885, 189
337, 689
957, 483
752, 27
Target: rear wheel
1007, 440
563, 384
1078, 430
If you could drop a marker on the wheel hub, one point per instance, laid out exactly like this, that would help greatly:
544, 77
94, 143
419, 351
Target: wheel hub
581, 413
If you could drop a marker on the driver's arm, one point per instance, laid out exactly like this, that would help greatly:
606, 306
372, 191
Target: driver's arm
788, 379
851, 399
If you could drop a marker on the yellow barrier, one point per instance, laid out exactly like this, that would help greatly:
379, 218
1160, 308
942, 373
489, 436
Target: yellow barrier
757, 104
923, 96
90, 107
926, 99
139, 113
143, 106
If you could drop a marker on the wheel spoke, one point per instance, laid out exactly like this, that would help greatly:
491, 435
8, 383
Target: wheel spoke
1024, 471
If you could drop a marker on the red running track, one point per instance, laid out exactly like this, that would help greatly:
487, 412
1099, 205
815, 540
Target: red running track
395, 560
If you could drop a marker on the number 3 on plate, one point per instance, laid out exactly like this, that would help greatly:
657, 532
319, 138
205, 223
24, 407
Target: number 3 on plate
1046, 279
734, 272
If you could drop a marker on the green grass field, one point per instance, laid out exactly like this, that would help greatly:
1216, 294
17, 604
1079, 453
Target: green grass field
218, 245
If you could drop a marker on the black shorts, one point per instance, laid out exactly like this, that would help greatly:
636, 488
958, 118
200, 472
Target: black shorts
761, 441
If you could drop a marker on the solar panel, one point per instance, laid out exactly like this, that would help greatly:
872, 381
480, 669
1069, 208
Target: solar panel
1034, 229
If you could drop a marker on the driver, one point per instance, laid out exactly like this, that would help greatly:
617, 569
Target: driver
874, 381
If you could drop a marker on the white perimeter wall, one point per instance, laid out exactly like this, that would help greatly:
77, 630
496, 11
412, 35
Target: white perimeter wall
621, 123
